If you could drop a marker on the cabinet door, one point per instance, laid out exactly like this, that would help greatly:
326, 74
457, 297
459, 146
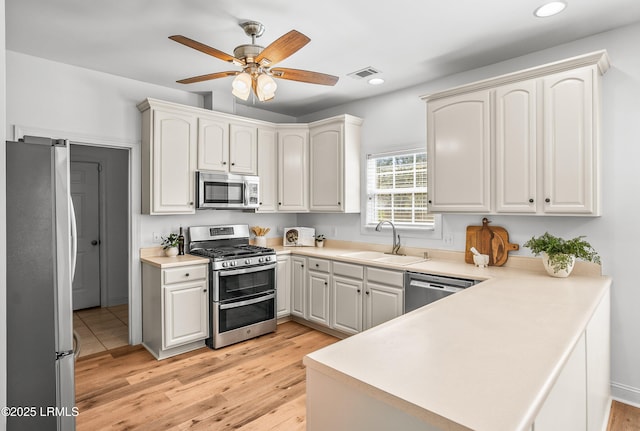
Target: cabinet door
268, 170
186, 313
213, 145
243, 149
569, 159
298, 291
346, 294
293, 170
318, 297
326, 167
382, 303
174, 161
283, 290
458, 157
515, 148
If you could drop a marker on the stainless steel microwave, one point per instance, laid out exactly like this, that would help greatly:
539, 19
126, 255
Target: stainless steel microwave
227, 191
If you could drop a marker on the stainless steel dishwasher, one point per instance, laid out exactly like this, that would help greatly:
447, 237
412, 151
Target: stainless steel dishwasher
422, 289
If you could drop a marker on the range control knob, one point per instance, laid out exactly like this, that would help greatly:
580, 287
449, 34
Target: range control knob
232, 263
225, 264
260, 260
268, 258
247, 261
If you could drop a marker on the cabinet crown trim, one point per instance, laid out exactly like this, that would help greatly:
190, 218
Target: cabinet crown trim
597, 58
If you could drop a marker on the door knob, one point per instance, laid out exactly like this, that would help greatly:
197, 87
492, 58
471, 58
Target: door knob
94, 242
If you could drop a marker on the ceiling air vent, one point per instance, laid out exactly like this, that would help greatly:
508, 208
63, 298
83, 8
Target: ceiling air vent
363, 73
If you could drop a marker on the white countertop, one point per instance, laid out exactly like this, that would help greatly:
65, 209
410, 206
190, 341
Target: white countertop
484, 358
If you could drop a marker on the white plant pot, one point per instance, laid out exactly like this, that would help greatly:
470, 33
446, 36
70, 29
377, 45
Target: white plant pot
171, 251
261, 241
561, 273
319, 243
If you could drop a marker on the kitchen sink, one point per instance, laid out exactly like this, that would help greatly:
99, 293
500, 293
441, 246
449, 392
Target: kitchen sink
377, 256
366, 255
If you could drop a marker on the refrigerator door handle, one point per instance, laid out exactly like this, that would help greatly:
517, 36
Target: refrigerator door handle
74, 239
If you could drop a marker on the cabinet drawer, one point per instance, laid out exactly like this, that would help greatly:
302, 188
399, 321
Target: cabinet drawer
186, 273
348, 270
318, 265
384, 276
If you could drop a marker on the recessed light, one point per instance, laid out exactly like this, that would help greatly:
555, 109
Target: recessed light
550, 9
376, 81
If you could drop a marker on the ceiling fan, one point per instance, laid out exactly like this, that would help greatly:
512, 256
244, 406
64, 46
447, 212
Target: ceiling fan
256, 62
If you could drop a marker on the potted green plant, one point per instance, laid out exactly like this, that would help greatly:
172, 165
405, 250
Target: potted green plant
559, 255
320, 240
170, 244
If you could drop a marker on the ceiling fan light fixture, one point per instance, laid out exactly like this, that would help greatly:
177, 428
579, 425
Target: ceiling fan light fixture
376, 81
265, 87
550, 9
241, 86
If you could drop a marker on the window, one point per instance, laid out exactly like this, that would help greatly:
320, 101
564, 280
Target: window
397, 189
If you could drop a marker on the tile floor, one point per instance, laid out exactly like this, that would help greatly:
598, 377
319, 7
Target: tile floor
101, 328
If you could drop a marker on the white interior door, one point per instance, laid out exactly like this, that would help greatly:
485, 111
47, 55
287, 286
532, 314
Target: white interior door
85, 193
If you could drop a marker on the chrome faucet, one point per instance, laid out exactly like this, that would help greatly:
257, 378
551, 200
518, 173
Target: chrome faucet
396, 243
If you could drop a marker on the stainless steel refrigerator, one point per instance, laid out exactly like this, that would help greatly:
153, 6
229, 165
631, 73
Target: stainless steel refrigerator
40, 265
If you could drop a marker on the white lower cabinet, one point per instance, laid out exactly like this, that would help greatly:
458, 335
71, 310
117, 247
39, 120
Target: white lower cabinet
318, 291
384, 296
298, 281
283, 286
347, 289
175, 309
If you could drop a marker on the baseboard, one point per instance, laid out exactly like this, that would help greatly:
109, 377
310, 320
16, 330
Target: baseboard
625, 394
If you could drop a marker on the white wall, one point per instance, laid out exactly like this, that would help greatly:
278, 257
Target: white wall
399, 119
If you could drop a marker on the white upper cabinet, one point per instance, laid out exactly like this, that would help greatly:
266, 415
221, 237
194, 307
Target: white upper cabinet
268, 169
458, 153
293, 169
243, 149
334, 167
570, 143
516, 147
522, 143
168, 156
213, 144
227, 147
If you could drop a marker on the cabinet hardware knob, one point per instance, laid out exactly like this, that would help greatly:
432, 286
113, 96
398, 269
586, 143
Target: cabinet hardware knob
224, 163
530, 201
429, 201
205, 290
279, 203
260, 203
187, 274
190, 204
547, 200
367, 292
325, 283
358, 290
94, 242
338, 203
233, 163
317, 266
301, 266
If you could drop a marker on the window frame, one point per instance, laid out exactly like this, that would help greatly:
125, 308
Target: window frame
409, 229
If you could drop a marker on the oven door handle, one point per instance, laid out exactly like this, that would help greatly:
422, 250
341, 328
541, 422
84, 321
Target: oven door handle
226, 273
247, 302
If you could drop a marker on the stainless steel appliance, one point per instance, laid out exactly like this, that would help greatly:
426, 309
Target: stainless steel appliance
40, 266
422, 289
242, 281
227, 191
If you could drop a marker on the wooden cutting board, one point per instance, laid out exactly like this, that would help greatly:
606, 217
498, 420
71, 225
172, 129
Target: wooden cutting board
491, 240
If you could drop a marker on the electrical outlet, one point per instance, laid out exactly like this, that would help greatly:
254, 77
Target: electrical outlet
157, 238
447, 239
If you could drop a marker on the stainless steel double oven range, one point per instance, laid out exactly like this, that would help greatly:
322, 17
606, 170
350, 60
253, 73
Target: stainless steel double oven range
242, 281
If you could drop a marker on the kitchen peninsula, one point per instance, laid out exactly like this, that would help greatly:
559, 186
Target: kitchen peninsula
505, 354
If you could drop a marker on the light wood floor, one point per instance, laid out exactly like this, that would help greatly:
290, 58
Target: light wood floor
255, 385
258, 385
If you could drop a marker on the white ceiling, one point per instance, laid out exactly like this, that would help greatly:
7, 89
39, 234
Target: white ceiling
410, 41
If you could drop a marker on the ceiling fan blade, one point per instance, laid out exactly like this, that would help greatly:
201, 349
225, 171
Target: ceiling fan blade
206, 49
304, 76
207, 77
283, 47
